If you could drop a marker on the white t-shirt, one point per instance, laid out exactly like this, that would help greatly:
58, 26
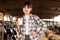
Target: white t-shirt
26, 24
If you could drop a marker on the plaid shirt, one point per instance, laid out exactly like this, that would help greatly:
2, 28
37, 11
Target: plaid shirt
34, 21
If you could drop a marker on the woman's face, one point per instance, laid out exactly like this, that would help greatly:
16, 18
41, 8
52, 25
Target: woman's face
27, 9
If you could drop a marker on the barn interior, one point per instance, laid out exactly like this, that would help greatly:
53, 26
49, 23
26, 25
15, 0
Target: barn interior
47, 10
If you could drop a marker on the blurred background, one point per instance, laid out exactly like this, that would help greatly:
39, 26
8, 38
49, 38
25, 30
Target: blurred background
47, 10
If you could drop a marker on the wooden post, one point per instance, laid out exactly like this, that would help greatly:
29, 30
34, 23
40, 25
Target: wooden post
2, 28
11, 18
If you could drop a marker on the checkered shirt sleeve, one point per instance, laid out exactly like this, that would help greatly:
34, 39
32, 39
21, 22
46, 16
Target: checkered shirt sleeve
42, 24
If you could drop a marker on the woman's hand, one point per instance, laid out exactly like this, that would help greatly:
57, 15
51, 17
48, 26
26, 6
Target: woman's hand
33, 33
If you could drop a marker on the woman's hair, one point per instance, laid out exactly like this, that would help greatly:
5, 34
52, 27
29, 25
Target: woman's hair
28, 4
